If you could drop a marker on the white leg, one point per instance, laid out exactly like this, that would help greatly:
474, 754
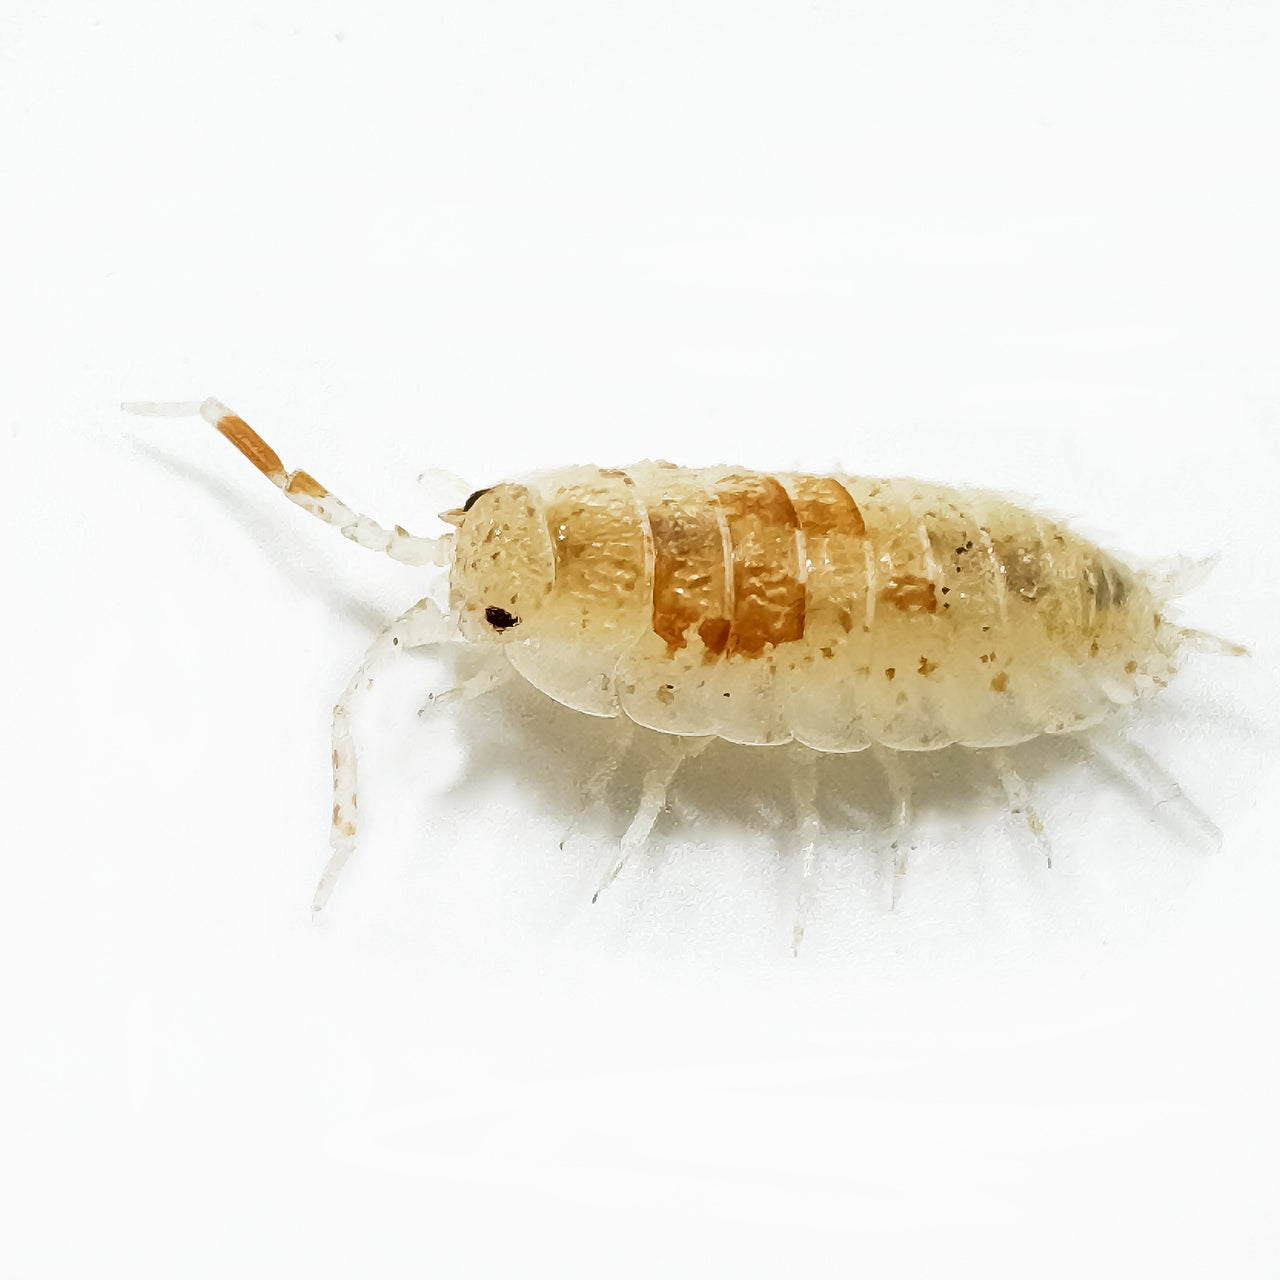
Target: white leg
303, 489
653, 798
804, 796
1015, 790
476, 686
1207, 642
421, 625
899, 780
1137, 768
597, 783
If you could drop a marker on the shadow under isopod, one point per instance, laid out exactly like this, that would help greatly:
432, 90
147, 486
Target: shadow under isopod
723, 858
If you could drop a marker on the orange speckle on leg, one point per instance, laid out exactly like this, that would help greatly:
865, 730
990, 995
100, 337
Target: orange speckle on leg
343, 826
1001, 682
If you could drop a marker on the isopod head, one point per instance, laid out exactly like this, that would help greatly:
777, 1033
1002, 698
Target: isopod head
503, 566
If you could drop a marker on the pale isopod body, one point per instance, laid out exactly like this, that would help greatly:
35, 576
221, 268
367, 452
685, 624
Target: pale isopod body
836, 611
841, 612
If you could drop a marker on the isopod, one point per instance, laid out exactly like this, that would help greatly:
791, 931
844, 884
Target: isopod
841, 612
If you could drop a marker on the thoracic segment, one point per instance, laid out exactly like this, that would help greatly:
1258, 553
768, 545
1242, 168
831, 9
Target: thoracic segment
836, 610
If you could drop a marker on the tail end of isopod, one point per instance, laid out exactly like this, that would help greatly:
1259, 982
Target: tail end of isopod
1206, 642
1178, 576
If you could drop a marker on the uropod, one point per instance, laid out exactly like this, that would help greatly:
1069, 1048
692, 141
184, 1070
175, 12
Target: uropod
841, 612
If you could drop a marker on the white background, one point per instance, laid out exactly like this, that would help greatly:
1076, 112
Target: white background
1027, 246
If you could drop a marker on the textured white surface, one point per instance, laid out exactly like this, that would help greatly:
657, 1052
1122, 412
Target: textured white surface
983, 243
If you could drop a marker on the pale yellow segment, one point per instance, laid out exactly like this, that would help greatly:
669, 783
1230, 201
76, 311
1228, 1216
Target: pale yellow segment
908, 625
602, 559
599, 601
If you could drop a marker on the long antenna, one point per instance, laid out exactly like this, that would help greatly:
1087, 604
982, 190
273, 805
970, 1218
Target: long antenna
299, 486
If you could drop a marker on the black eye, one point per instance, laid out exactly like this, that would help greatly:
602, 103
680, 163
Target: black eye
475, 497
499, 619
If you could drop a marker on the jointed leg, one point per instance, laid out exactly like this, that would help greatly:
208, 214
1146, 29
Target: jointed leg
420, 625
489, 677
653, 797
1138, 768
899, 780
804, 795
301, 488
1015, 790
596, 786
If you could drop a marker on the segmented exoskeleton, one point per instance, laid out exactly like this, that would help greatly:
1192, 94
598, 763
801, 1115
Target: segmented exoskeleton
841, 612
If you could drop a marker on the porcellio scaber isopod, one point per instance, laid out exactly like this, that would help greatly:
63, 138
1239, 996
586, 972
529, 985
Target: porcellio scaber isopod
841, 612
